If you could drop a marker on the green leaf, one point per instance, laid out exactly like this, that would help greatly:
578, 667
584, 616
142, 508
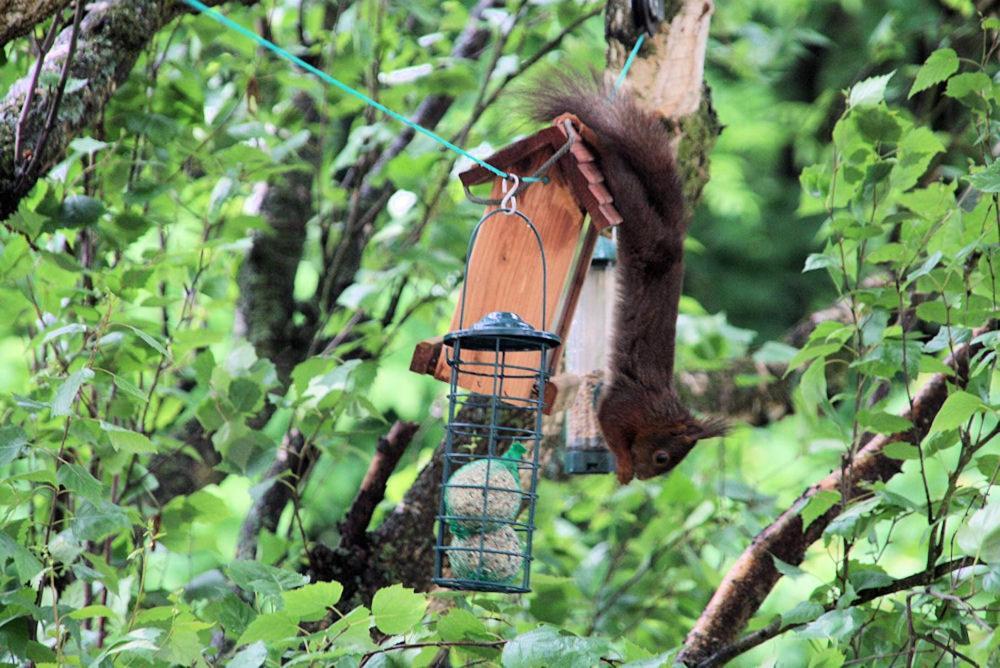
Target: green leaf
78, 480
398, 609
92, 611
353, 630
12, 442
980, 537
252, 656
811, 351
788, 570
882, 422
244, 394
986, 180
147, 339
835, 625
547, 647
25, 563
126, 440
926, 267
939, 66
310, 603
94, 521
62, 402
72, 328
79, 211
901, 450
818, 503
970, 88
459, 625
813, 385
869, 91
819, 261
270, 627
253, 576
86, 145
878, 124
868, 576
805, 611
956, 411
129, 389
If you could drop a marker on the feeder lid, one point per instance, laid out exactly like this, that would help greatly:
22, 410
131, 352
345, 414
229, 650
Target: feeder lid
504, 330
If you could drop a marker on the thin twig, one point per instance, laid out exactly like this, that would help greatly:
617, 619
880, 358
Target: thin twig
43, 50
50, 120
775, 628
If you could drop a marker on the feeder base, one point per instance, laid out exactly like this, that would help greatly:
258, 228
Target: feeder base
587, 462
479, 585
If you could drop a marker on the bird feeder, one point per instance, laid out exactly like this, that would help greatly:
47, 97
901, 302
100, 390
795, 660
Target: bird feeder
499, 367
488, 484
568, 212
586, 357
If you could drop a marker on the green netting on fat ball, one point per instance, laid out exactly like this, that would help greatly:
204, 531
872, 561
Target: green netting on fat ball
485, 493
490, 557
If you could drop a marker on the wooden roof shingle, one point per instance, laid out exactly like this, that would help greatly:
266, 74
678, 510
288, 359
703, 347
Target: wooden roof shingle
580, 166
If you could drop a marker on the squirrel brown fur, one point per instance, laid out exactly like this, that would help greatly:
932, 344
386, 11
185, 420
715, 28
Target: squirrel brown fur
644, 422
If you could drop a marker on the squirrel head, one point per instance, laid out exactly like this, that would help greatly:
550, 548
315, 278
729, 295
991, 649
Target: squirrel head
658, 449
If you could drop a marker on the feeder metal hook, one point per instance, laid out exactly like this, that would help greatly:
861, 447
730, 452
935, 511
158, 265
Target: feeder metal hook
509, 201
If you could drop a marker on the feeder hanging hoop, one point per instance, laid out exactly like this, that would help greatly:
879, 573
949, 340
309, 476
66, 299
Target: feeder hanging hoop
538, 176
472, 244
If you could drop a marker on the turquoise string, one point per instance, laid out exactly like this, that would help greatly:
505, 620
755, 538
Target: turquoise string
271, 46
628, 63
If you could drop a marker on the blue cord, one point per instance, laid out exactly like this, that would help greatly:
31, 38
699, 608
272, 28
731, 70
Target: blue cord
628, 63
232, 25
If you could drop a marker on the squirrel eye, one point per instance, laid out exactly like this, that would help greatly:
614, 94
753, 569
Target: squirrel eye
661, 457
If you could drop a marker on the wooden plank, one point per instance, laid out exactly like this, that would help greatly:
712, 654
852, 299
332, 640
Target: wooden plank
426, 355
511, 155
579, 273
610, 214
585, 179
505, 271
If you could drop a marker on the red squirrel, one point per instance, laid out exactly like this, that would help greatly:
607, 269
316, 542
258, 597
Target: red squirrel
643, 421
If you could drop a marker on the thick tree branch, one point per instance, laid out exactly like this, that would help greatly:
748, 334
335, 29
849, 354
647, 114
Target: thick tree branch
266, 304
752, 577
776, 628
18, 17
109, 40
388, 452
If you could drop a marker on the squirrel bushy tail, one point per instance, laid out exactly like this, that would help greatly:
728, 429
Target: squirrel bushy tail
635, 155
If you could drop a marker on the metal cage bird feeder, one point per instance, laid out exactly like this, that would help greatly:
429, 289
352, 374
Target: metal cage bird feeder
492, 443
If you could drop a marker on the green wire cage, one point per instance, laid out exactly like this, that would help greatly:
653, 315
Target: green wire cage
491, 445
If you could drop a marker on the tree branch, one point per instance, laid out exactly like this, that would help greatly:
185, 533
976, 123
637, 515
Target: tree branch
388, 452
776, 628
109, 40
18, 17
752, 577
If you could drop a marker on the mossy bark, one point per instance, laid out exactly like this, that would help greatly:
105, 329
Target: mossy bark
18, 17
667, 77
